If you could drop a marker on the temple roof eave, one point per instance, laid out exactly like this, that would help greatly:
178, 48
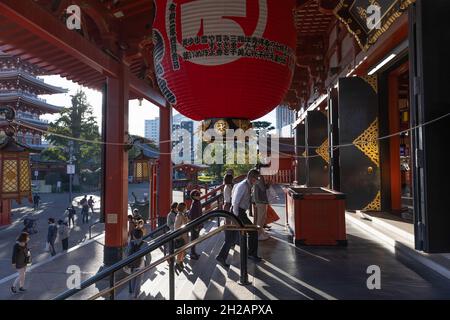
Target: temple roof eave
39, 104
16, 74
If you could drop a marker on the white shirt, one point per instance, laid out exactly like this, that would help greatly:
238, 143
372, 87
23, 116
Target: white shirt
227, 191
241, 196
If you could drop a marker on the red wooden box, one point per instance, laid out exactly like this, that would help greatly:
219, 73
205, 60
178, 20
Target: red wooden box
316, 216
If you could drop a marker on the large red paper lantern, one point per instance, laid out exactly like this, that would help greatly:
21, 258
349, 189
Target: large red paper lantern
231, 60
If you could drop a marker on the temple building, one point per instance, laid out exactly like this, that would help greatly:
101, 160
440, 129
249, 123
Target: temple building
20, 88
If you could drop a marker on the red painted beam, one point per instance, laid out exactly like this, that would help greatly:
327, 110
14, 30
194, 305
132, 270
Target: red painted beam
144, 90
30, 16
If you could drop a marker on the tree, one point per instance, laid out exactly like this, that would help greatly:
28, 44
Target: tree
77, 122
262, 125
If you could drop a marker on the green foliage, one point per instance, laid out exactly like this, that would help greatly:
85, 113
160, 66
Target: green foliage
78, 122
262, 125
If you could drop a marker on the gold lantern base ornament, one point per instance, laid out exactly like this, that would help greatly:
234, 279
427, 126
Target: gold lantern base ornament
221, 125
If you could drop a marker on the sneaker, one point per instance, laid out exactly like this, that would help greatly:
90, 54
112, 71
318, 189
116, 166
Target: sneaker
222, 262
13, 290
22, 289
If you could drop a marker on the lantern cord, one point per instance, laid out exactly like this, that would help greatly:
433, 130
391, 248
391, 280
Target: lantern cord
331, 148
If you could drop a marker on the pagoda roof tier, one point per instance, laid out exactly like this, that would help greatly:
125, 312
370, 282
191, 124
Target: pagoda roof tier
40, 85
28, 125
21, 99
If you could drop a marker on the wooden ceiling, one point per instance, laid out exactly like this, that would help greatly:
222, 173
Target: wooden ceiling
122, 30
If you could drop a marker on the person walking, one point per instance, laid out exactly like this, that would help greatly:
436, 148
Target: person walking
136, 242
51, 235
171, 216
240, 202
21, 257
261, 202
181, 220
195, 212
91, 204
36, 200
227, 190
63, 232
84, 210
71, 213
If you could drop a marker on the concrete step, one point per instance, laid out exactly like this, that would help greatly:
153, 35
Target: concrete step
201, 284
394, 241
216, 286
392, 227
201, 269
192, 268
233, 289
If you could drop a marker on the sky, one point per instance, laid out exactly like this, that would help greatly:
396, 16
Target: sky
137, 114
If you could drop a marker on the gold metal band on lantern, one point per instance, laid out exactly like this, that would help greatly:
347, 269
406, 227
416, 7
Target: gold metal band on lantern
221, 125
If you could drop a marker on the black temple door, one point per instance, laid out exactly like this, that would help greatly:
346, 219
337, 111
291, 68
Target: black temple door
359, 151
429, 40
317, 144
300, 153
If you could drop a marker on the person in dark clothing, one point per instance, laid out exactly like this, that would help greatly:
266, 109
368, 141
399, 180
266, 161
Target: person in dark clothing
195, 212
71, 212
36, 200
91, 204
63, 231
134, 286
84, 209
51, 235
21, 257
241, 202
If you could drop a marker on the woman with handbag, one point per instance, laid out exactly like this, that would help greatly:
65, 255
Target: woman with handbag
21, 257
181, 220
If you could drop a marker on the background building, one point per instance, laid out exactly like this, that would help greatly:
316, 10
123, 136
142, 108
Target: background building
152, 129
285, 120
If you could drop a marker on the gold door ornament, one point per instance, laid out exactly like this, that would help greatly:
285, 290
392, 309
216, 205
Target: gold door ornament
323, 151
367, 143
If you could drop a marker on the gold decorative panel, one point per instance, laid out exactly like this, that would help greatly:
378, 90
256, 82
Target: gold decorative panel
367, 142
372, 81
375, 205
323, 151
25, 178
9, 176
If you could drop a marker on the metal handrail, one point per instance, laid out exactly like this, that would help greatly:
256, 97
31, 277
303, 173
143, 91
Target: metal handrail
173, 255
155, 244
90, 228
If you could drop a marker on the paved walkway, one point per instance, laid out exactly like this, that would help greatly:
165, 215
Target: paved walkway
288, 272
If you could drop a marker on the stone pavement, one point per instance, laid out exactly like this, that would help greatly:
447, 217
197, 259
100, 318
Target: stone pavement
287, 272
54, 205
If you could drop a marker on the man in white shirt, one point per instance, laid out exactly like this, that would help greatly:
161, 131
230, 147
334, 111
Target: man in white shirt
241, 201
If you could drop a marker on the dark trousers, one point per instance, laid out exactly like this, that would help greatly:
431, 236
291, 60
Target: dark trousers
52, 247
194, 235
71, 220
85, 215
65, 244
252, 235
230, 240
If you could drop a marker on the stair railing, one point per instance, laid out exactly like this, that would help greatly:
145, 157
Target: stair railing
168, 238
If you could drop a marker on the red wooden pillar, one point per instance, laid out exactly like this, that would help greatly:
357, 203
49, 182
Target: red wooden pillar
116, 167
165, 164
5, 212
153, 194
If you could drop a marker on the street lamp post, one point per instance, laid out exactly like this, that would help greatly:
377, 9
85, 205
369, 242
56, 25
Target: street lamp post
70, 170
